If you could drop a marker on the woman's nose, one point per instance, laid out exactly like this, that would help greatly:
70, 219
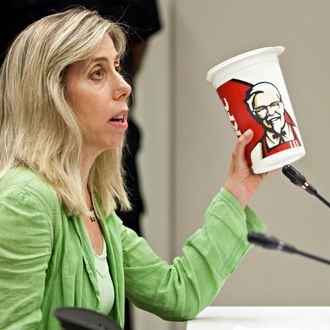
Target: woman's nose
123, 88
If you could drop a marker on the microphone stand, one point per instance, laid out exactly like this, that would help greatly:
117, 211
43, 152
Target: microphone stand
322, 199
273, 243
311, 256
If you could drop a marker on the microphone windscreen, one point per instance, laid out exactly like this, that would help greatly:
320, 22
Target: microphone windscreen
268, 242
295, 176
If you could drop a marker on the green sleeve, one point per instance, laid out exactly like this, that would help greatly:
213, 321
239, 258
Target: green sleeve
25, 248
181, 290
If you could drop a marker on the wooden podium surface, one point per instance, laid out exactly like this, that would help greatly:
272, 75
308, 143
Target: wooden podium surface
257, 318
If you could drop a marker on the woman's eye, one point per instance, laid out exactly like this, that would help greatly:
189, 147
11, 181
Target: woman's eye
97, 74
118, 68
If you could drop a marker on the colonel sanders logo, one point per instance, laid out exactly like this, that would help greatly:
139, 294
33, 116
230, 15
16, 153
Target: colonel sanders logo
273, 127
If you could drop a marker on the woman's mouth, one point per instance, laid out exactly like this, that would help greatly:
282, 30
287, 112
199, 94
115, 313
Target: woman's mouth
120, 120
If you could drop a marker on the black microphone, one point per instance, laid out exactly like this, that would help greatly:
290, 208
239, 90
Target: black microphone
273, 243
299, 180
74, 318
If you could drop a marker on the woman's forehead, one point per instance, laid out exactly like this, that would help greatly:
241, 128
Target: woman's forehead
106, 49
104, 52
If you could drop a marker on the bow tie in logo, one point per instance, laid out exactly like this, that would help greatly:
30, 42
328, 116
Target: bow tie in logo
279, 136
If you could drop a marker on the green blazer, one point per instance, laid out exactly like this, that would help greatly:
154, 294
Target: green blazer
46, 260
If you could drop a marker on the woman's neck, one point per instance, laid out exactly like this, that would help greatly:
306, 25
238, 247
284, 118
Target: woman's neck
88, 160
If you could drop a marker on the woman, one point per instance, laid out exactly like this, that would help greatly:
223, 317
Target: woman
63, 120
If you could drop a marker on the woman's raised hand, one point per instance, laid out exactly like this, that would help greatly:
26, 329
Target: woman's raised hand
241, 182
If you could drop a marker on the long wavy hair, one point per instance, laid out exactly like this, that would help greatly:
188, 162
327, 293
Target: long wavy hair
38, 128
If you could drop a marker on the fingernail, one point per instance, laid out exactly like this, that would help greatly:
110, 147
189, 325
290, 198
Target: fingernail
248, 132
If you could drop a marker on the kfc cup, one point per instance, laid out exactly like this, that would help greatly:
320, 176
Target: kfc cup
253, 92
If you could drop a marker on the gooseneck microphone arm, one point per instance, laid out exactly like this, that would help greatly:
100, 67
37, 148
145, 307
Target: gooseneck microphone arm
322, 199
298, 179
273, 243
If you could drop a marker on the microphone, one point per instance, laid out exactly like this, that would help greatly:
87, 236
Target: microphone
273, 243
299, 180
74, 318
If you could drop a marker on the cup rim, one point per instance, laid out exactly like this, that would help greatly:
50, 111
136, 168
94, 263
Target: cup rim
276, 50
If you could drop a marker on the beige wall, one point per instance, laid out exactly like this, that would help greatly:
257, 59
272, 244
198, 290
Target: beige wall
193, 134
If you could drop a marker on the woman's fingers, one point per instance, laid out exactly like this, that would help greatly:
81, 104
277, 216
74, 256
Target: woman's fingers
243, 141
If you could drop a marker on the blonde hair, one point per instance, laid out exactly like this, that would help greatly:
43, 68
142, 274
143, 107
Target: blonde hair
38, 128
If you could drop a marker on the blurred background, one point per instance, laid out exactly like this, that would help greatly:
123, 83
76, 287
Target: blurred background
188, 141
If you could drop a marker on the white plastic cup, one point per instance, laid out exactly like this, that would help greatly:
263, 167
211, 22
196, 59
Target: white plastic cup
253, 92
